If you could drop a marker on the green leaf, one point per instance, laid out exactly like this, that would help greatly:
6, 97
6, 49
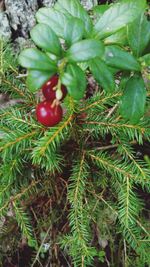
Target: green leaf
145, 60
73, 31
75, 81
53, 18
99, 10
75, 9
85, 50
119, 38
33, 58
37, 78
124, 79
139, 35
118, 16
84, 65
133, 100
44, 37
118, 58
102, 74
113, 70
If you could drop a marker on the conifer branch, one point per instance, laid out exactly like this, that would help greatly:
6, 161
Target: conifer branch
98, 100
78, 241
21, 93
10, 170
139, 167
112, 167
129, 204
109, 124
98, 125
18, 118
24, 223
3, 208
16, 141
55, 134
24, 192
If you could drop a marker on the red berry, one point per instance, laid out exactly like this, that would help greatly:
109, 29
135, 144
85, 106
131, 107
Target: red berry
47, 114
49, 89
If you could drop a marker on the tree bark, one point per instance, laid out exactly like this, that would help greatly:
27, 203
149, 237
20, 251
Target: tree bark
17, 17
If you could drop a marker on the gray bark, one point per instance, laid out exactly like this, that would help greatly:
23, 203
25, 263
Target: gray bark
88, 4
48, 3
5, 30
17, 17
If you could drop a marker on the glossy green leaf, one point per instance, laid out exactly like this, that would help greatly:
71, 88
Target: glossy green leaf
133, 100
75, 81
33, 58
73, 31
119, 38
44, 37
53, 18
124, 78
113, 70
147, 49
139, 35
99, 10
37, 78
83, 65
145, 60
118, 58
118, 16
75, 9
102, 74
85, 50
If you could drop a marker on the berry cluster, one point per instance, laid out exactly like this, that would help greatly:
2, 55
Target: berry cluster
49, 112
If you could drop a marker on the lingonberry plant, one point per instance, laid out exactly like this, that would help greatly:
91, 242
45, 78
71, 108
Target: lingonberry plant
82, 179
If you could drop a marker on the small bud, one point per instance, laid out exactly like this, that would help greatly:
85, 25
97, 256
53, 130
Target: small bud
59, 94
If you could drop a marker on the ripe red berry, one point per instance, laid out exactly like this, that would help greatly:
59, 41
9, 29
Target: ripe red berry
47, 114
49, 89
